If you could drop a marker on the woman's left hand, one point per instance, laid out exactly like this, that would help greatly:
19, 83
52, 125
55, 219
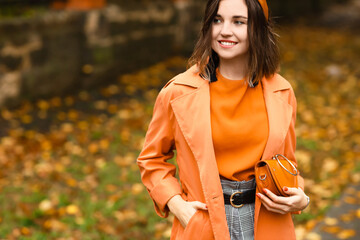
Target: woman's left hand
296, 201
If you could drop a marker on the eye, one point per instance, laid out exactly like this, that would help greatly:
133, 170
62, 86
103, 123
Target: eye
238, 22
216, 20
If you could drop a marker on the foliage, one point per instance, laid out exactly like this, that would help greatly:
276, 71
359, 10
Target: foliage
68, 164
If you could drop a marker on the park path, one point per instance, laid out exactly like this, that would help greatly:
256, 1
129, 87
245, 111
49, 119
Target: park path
342, 221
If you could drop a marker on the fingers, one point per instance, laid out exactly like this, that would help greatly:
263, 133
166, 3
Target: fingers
291, 191
189, 210
271, 205
275, 198
294, 202
199, 205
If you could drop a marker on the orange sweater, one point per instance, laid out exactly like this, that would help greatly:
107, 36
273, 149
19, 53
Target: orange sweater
240, 127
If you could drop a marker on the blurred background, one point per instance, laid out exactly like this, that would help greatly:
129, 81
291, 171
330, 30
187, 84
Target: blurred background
78, 80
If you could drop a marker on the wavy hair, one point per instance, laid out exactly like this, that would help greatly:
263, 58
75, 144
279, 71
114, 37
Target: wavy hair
264, 56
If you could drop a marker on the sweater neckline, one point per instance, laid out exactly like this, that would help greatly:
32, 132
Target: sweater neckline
229, 83
221, 77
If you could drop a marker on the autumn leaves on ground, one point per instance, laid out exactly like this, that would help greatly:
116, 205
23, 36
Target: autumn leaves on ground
68, 164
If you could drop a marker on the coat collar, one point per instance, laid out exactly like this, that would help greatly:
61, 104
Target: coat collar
193, 79
190, 78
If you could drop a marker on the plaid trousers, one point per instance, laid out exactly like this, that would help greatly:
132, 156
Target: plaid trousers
240, 220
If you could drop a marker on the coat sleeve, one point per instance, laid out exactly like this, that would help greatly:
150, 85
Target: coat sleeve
290, 141
157, 174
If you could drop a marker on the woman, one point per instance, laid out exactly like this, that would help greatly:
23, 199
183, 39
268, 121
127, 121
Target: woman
225, 113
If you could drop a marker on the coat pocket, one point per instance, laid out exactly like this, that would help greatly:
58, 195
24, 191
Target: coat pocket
198, 227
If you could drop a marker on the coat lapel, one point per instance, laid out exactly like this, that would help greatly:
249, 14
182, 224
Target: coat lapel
279, 117
192, 112
279, 114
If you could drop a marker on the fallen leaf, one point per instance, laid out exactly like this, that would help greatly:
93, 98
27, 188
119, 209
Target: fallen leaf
346, 234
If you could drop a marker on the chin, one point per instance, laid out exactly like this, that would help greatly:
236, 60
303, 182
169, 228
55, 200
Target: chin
233, 57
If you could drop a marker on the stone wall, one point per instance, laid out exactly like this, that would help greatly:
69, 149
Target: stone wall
62, 51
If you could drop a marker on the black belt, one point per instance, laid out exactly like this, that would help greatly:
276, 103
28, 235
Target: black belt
238, 199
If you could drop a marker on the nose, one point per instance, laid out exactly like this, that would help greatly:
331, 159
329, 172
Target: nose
226, 30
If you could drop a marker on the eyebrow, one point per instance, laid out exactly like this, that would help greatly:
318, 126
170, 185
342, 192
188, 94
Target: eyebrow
240, 16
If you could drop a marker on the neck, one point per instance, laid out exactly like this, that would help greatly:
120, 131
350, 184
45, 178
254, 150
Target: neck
233, 69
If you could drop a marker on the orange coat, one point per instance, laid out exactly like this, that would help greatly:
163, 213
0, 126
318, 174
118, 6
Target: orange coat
181, 121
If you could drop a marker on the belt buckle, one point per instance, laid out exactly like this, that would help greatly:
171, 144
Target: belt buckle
232, 199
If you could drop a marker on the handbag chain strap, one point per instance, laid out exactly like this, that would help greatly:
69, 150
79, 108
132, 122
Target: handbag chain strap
276, 157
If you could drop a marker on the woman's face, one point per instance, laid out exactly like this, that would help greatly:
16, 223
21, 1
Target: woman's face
229, 30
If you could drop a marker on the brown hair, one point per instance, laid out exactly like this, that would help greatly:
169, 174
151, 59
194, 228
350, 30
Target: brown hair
263, 50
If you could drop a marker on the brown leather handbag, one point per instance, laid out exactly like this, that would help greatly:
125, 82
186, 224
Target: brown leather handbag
275, 174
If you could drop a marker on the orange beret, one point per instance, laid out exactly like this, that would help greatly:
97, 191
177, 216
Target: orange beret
265, 8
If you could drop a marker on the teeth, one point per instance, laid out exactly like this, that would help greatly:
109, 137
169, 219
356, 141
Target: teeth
228, 43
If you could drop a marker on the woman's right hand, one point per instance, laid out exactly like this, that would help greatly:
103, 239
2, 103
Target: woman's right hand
184, 210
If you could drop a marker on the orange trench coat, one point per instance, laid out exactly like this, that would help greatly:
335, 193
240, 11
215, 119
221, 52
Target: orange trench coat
181, 121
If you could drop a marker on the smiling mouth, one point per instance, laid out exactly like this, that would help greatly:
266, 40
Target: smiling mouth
227, 43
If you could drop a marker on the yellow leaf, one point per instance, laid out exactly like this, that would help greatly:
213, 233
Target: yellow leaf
347, 217
73, 115
59, 167
104, 144
43, 105
87, 68
111, 188
330, 221
100, 105
25, 231
313, 236
26, 119
310, 224
330, 165
345, 234
112, 108
350, 200
93, 148
45, 205
350, 190
72, 209
62, 211
100, 163
331, 229
67, 127
8, 142
6, 114
46, 145
55, 102
124, 114
80, 220
304, 159
46, 155
167, 233
54, 225
71, 182
124, 161
83, 125
358, 213
356, 178
137, 188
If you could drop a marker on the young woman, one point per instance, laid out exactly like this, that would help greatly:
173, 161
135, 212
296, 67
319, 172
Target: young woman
224, 114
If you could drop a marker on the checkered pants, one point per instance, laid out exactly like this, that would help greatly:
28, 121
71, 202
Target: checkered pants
240, 220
